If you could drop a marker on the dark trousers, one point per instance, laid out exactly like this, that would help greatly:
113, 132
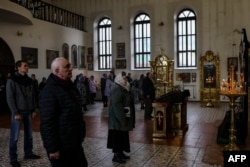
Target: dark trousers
92, 98
104, 100
74, 158
148, 107
118, 141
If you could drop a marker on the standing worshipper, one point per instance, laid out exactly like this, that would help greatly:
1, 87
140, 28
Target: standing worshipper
109, 84
20, 96
148, 94
35, 85
2, 92
42, 84
82, 90
92, 88
121, 119
103, 85
62, 126
140, 91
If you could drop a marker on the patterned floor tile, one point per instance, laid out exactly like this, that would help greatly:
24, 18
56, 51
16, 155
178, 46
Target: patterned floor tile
146, 155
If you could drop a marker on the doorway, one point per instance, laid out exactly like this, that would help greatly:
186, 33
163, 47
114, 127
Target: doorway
7, 61
7, 66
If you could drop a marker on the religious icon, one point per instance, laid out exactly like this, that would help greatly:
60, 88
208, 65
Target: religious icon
120, 50
74, 56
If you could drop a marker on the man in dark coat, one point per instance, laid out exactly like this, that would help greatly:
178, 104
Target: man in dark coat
62, 125
148, 94
103, 85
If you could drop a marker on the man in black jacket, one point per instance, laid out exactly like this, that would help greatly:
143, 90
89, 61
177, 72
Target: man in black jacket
103, 85
148, 94
62, 125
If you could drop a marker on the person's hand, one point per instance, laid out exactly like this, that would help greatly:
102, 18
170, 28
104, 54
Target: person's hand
55, 155
18, 117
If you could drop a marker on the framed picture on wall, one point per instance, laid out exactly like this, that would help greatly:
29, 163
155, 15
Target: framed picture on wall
65, 51
30, 55
50, 56
81, 56
121, 64
120, 50
194, 77
90, 58
185, 77
74, 56
90, 51
90, 66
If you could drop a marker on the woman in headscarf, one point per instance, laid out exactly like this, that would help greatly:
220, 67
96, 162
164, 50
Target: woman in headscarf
82, 90
121, 119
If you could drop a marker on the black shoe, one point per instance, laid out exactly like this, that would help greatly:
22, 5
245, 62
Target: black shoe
118, 160
123, 156
15, 164
32, 156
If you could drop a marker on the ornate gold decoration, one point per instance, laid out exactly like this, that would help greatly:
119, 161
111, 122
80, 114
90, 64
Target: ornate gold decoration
209, 70
163, 68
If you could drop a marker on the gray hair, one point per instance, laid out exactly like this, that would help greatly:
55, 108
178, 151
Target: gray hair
56, 64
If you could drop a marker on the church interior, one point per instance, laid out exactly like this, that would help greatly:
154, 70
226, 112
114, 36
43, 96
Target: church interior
197, 47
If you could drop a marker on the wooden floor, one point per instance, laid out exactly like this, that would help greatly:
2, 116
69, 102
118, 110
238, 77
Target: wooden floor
203, 123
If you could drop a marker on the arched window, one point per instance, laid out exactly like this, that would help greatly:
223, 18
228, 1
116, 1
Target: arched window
142, 41
104, 44
186, 39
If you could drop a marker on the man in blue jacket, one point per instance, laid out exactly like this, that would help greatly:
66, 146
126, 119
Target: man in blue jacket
62, 126
20, 96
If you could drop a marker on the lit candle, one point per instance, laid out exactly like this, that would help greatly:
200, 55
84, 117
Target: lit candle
245, 87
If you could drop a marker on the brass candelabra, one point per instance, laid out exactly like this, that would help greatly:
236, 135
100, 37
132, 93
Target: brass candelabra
229, 89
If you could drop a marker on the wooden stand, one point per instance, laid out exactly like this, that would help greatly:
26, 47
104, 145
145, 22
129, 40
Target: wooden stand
160, 123
179, 124
170, 119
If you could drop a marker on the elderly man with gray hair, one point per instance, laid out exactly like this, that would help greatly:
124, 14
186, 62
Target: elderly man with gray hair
62, 125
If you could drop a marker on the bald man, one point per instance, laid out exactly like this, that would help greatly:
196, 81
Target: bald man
62, 126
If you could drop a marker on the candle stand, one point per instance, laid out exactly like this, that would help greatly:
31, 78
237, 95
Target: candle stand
232, 131
229, 90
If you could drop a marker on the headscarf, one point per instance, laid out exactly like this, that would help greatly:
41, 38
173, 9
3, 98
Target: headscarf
122, 82
81, 78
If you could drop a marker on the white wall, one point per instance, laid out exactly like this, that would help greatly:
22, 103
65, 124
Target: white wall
216, 22
43, 36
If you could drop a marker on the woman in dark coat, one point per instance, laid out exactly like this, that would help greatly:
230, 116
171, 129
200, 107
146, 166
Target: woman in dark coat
121, 119
82, 90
